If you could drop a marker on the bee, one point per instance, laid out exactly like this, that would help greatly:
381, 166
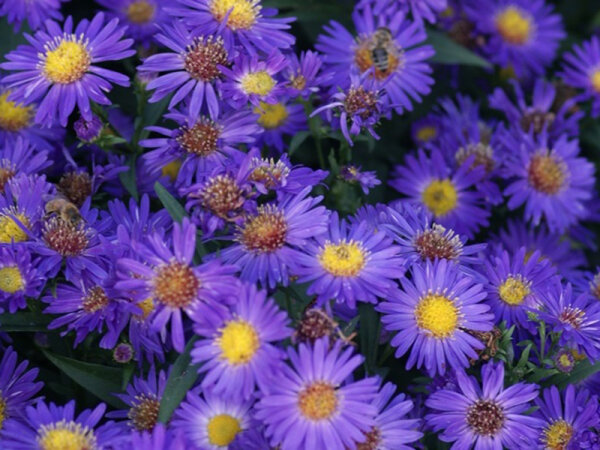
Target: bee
379, 48
63, 209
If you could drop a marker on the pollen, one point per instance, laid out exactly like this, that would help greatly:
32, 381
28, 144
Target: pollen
572, 316
271, 116
76, 186
222, 429
318, 401
264, 232
147, 307
140, 12
485, 417
514, 290
222, 196
171, 170
95, 300
438, 243
7, 171
11, 280
202, 139
203, 58
10, 231
440, 197
65, 238
363, 57
515, 25
345, 259
360, 102
143, 413
268, 172
258, 83
66, 62
243, 13
66, 435
3, 414
298, 81
483, 156
595, 79
438, 315
14, 116
547, 174
238, 342
315, 324
558, 435
427, 133
372, 440
176, 285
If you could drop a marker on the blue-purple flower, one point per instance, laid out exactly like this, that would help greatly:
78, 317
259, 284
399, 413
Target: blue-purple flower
35, 12
582, 70
355, 175
19, 277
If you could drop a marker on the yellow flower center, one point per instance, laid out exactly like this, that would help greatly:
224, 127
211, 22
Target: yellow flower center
68, 62
547, 174
265, 232
147, 306
259, 83
271, 116
176, 285
243, 12
95, 300
10, 231
514, 290
565, 361
13, 116
143, 413
222, 429
11, 279
440, 197
171, 170
140, 12
438, 315
514, 25
558, 435
595, 78
427, 133
345, 259
238, 342
65, 435
2, 410
318, 401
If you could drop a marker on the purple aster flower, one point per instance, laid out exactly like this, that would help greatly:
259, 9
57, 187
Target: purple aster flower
160, 438
48, 426
426, 131
193, 69
353, 174
143, 400
17, 388
253, 79
19, 157
88, 130
423, 9
350, 263
522, 35
278, 120
137, 220
242, 22
399, 61
315, 404
303, 74
542, 113
19, 277
167, 276
431, 314
577, 318
238, 348
446, 193
487, 415
565, 417
209, 421
142, 17
515, 281
35, 12
59, 67
581, 70
267, 241
123, 353
549, 178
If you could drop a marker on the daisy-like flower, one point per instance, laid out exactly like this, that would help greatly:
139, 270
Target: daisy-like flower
48, 426
515, 282
522, 35
142, 17
426, 131
238, 351
242, 22
350, 263
303, 74
17, 388
278, 120
19, 157
160, 438
193, 68
432, 312
542, 113
59, 68
19, 277
566, 417
365, 179
166, 276
446, 193
209, 421
267, 241
551, 179
35, 12
253, 79
487, 415
581, 70
313, 405
387, 48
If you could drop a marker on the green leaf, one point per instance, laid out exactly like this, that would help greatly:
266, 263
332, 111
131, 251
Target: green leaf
22, 321
449, 52
297, 141
174, 208
102, 381
368, 333
152, 113
128, 179
182, 378
583, 370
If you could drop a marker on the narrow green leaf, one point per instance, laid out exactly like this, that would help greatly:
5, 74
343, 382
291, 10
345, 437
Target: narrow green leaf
297, 141
128, 179
449, 52
22, 321
583, 370
369, 334
102, 381
174, 208
182, 378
